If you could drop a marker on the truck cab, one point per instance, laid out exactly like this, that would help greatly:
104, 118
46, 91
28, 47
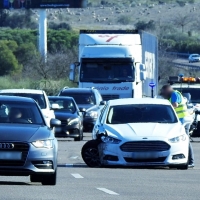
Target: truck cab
120, 64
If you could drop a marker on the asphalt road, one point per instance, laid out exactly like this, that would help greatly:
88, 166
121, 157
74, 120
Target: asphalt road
76, 181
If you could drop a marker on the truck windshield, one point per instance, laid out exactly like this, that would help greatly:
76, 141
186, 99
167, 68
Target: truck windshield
104, 71
194, 92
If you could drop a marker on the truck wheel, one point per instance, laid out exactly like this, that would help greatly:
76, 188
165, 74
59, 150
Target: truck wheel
90, 153
49, 179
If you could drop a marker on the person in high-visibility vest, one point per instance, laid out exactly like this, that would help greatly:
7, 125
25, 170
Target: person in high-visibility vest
179, 104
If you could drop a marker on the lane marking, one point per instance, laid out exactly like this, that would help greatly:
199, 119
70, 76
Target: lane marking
77, 176
107, 191
74, 157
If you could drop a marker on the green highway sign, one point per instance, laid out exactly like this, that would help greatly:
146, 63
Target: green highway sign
43, 4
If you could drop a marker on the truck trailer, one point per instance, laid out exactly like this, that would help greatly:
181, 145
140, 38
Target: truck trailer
119, 63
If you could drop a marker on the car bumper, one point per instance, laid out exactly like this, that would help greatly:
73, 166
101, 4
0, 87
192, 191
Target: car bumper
38, 161
67, 131
111, 154
88, 123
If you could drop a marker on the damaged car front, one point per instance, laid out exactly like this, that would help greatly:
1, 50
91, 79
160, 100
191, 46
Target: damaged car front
141, 132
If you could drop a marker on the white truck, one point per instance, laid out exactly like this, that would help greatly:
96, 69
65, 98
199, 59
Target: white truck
119, 63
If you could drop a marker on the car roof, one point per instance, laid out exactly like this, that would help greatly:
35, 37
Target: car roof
186, 86
60, 97
138, 101
16, 98
77, 90
26, 91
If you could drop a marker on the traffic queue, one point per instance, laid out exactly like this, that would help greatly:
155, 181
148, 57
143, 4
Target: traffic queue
31, 122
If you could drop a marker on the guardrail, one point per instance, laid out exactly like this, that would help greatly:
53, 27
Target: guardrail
180, 55
187, 66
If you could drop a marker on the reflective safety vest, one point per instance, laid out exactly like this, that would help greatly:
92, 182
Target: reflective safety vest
181, 110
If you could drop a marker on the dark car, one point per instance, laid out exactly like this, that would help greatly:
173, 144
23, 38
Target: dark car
71, 118
86, 98
27, 145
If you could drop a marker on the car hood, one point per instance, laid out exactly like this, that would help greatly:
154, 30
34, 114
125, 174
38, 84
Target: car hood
148, 130
88, 107
63, 115
23, 133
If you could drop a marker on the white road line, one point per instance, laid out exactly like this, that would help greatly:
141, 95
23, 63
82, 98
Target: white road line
107, 191
77, 176
74, 157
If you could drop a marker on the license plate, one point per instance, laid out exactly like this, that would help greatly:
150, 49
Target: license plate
5, 155
144, 155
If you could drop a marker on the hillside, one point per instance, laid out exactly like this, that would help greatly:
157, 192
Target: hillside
123, 14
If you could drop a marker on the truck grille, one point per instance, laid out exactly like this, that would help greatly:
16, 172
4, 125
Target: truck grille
19, 147
145, 146
110, 97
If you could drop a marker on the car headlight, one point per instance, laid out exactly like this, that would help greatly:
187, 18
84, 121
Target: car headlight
73, 121
43, 144
93, 114
108, 139
178, 139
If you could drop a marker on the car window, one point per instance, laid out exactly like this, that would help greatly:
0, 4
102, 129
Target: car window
18, 112
62, 104
81, 98
145, 113
39, 98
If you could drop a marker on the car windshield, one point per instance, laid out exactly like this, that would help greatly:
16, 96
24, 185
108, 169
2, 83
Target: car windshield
20, 112
111, 71
81, 98
39, 98
145, 113
195, 55
194, 92
66, 105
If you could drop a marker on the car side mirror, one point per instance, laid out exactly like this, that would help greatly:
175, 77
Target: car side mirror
101, 132
102, 103
82, 110
55, 123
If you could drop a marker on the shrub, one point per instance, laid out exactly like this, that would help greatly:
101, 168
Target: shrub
124, 20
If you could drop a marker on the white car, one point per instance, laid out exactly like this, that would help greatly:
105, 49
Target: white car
194, 58
38, 95
138, 132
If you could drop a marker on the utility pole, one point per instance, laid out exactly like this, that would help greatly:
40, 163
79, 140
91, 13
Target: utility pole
43, 33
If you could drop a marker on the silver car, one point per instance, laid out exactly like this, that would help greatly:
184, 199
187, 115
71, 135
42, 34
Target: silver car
194, 58
27, 144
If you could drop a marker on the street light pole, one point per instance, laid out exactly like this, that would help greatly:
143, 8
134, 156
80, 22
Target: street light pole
43, 33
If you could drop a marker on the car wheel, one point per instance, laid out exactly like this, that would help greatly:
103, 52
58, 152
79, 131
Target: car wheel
49, 179
184, 166
90, 153
35, 178
80, 137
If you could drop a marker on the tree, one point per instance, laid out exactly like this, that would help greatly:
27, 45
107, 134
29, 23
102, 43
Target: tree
182, 20
9, 63
4, 14
124, 19
142, 25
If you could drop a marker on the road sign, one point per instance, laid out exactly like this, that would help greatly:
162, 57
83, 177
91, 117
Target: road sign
19, 4
152, 85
